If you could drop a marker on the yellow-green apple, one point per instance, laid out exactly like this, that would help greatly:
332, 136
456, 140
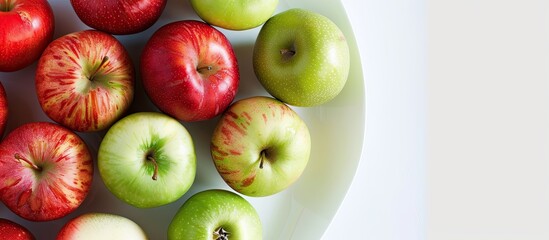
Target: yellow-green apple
236, 14
119, 16
45, 171
26, 28
215, 214
3, 109
10, 230
85, 80
189, 70
301, 58
94, 226
260, 146
147, 159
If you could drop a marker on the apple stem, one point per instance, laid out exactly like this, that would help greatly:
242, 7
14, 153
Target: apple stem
21, 158
103, 61
287, 53
155, 174
262, 157
204, 69
7, 7
221, 234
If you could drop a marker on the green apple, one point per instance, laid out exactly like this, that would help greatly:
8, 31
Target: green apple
235, 14
301, 58
260, 146
147, 159
216, 214
100, 226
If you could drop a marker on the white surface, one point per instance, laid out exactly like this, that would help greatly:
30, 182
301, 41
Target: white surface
458, 113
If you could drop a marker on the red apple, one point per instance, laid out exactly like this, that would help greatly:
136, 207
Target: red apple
119, 16
85, 80
45, 171
189, 70
3, 110
26, 28
13, 231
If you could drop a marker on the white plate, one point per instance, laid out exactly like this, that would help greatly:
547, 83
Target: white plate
302, 212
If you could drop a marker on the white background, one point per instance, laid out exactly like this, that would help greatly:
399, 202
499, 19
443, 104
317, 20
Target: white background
457, 142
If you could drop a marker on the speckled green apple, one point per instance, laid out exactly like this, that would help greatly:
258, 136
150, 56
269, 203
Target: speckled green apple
235, 14
216, 214
301, 58
260, 146
147, 159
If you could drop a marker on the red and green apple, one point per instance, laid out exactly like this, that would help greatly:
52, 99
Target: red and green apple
260, 146
94, 226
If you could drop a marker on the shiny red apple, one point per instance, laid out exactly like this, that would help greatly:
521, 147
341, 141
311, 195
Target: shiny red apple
189, 70
14, 231
26, 28
119, 16
85, 80
46, 171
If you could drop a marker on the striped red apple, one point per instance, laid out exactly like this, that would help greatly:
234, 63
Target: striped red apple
85, 80
46, 171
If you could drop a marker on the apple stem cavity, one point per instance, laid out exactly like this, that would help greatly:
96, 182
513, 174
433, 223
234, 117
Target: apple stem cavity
221, 234
287, 54
204, 69
25, 160
103, 61
150, 157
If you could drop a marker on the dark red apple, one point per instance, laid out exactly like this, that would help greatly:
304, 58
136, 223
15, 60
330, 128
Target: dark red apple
26, 28
119, 16
189, 70
3, 110
45, 171
10, 230
85, 80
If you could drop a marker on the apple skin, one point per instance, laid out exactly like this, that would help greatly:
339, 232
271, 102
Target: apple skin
204, 213
85, 80
14, 231
4, 111
189, 70
61, 176
23, 42
301, 58
126, 154
119, 16
260, 146
235, 15
93, 226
